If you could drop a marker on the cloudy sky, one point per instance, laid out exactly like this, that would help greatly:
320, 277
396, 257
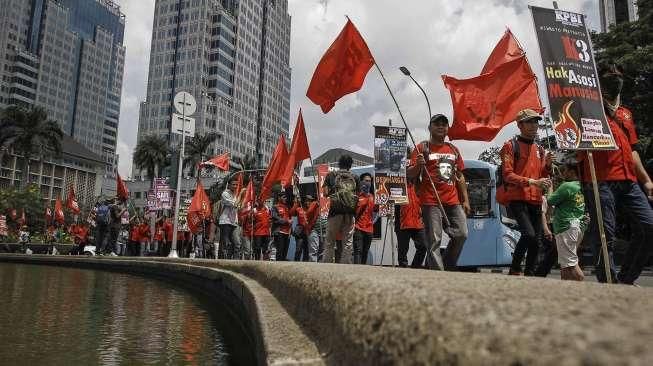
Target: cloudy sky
430, 37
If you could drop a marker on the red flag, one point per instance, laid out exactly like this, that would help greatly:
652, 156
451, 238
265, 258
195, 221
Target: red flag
199, 209
249, 195
298, 150
121, 188
71, 201
506, 50
341, 70
58, 211
484, 104
48, 214
275, 168
13, 214
239, 182
221, 162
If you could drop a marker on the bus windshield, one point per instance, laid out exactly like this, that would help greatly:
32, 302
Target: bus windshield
479, 188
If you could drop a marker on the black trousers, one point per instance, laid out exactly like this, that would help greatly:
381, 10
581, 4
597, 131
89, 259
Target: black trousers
403, 242
281, 242
362, 243
529, 218
301, 248
548, 257
228, 243
260, 246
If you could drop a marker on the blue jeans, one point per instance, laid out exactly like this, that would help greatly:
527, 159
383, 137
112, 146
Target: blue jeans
629, 196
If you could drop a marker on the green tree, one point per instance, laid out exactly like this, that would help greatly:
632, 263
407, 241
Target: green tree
151, 154
29, 133
491, 155
28, 199
630, 45
195, 150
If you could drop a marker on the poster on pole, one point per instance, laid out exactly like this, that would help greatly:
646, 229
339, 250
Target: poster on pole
572, 83
322, 171
390, 161
182, 219
3, 225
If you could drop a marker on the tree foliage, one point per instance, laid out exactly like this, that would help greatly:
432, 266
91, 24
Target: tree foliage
491, 155
195, 150
151, 154
28, 199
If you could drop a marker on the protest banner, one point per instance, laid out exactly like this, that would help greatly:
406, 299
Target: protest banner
390, 159
322, 171
572, 85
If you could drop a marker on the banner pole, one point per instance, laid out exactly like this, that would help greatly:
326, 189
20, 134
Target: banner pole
437, 196
599, 219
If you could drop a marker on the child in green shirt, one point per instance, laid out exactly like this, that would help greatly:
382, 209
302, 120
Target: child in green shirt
568, 221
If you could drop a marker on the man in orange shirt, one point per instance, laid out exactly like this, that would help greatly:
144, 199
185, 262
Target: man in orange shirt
525, 180
618, 172
364, 227
443, 162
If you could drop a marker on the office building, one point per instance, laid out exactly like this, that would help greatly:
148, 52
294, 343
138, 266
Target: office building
233, 57
617, 11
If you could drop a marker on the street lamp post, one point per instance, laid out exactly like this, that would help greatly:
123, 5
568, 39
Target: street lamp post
405, 71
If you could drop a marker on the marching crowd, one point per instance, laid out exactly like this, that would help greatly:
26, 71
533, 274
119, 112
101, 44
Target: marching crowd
552, 201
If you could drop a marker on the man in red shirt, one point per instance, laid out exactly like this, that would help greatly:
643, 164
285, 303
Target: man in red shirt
443, 162
409, 224
281, 226
363, 226
525, 180
261, 231
617, 173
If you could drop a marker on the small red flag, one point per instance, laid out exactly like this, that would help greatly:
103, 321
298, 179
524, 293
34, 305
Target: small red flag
48, 214
275, 168
58, 211
220, 162
121, 188
249, 197
506, 50
298, 150
71, 201
199, 209
341, 70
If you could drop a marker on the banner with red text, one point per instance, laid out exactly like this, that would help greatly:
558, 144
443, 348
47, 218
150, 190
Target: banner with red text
572, 84
390, 158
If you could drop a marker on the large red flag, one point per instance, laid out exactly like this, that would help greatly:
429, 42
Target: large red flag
341, 70
275, 168
58, 211
484, 104
249, 195
298, 150
121, 188
221, 162
71, 201
506, 50
199, 209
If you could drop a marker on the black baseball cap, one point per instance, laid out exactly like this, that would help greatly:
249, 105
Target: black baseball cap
439, 117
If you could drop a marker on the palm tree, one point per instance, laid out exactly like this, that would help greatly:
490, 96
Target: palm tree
196, 148
151, 154
29, 133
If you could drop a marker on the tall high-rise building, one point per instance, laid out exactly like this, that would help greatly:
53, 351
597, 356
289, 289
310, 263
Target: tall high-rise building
617, 11
233, 57
66, 56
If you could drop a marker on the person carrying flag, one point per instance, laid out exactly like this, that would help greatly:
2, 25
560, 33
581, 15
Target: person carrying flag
436, 163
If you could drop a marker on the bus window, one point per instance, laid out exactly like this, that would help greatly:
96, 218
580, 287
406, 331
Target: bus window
479, 189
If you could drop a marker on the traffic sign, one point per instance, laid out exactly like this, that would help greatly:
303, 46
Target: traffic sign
185, 103
178, 125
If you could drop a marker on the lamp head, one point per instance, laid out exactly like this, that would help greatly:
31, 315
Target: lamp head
404, 70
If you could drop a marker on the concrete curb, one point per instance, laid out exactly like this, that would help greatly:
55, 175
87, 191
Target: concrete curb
273, 333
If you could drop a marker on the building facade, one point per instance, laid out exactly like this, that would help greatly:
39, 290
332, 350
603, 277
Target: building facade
233, 56
77, 167
66, 56
617, 11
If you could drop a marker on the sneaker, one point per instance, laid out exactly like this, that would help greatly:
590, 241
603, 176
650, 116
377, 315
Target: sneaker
113, 254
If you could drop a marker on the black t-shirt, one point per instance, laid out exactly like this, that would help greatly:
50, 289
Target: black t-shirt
116, 213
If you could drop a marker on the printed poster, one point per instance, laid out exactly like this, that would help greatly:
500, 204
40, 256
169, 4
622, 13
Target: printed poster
322, 171
390, 160
572, 83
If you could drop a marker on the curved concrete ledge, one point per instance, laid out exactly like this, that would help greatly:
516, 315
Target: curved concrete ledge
363, 315
275, 336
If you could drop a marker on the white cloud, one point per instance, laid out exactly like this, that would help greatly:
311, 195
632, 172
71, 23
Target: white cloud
430, 37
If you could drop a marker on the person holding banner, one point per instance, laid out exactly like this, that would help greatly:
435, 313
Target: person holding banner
526, 169
617, 174
443, 162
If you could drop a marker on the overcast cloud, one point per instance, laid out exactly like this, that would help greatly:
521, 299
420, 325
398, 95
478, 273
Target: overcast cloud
430, 37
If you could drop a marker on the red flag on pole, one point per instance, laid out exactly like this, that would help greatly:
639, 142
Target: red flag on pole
220, 162
239, 182
298, 150
58, 211
123, 192
484, 104
71, 201
48, 213
341, 70
506, 50
199, 209
275, 168
249, 195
